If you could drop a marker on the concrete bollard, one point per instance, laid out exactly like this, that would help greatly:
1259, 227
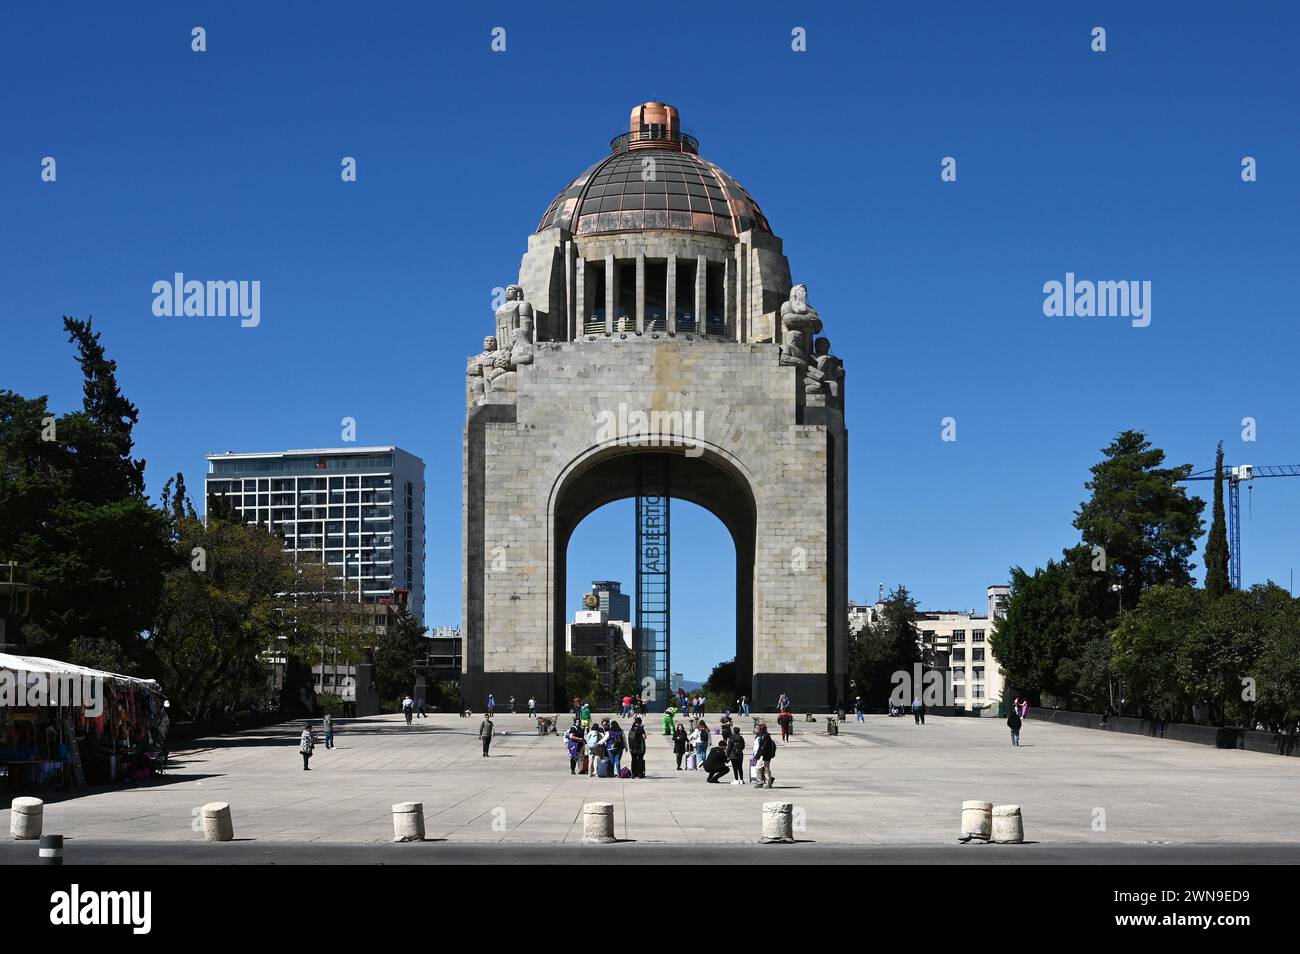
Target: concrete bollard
217, 823
778, 822
1008, 828
976, 820
408, 821
51, 850
598, 823
26, 818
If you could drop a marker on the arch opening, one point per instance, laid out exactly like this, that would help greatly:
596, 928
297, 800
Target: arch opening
708, 482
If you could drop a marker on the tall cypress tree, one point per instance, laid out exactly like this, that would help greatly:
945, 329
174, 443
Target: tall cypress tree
1217, 581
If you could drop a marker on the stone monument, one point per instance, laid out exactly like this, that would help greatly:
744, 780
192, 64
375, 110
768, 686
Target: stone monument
654, 290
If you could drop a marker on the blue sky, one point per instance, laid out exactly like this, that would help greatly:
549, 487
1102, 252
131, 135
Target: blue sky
1116, 165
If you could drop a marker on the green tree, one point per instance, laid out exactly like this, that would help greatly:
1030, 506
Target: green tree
1141, 516
580, 678
622, 670
885, 649
1275, 676
1217, 579
222, 610
73, 509
721, 687
1149, 651
398, 651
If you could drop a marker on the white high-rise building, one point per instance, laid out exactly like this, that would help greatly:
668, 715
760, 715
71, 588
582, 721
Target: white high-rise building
360, 509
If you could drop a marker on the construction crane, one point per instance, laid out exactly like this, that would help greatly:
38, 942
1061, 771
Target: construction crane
1235, 477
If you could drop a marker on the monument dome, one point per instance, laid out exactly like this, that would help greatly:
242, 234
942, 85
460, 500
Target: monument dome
653, 239
654, 178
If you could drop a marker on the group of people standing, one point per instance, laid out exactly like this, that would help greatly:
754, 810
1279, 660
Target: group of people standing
598, 747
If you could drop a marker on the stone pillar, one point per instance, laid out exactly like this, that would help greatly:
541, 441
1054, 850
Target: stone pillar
598, 823
640, 292
579, 299
217, 823
976, 820
611, 292
670, 294
408, 821
728, 310
778, 822
1008, 828
701, 293
26, 818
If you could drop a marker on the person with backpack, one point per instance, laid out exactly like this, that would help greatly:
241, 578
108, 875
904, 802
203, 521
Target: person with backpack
585, 714
573, 742
595, 740
736, 754
679, 744
615, 743
636, 745
485, 732
764, 752
1013, 723
786, 721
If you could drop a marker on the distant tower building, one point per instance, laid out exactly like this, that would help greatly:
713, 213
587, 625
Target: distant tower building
614, 603
360, 510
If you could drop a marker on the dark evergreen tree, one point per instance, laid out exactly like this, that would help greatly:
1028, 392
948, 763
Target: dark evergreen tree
1217, 579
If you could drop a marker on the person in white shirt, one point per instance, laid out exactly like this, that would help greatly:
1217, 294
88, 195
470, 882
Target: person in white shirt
593, 738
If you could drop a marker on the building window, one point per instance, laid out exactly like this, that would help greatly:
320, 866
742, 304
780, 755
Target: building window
959, 654
959, 635
977, 673
977, 635
977, 655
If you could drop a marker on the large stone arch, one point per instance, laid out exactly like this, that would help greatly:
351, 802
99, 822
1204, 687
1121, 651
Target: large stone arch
707, 476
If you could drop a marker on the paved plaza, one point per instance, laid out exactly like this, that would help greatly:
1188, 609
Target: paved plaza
884, 782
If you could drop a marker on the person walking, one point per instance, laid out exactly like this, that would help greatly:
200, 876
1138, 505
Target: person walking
679, 744
532, 708
491, 704
305, 746
327, 725
424, 706
485, 732
573, 742
1013, 723
786, 721
1021, 707
744, 705
736, 754
916, 709
615, 743
668, 720
764, 752
408, 708
716, 764
636, 744
512, 705
857, 708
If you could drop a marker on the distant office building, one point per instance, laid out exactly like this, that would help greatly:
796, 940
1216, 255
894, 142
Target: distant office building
611, 600
359, 510
595, 635
958, 640
446, 644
